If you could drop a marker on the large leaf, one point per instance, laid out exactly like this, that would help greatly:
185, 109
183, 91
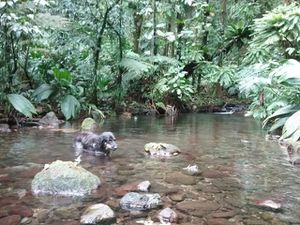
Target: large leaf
69, 106
43, 92
278, 123
284, 111
289, 72
292, 126
21, 104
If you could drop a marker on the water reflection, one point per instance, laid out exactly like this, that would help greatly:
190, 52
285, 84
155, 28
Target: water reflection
238, 167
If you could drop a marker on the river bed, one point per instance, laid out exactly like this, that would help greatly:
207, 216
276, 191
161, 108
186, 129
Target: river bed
239, 170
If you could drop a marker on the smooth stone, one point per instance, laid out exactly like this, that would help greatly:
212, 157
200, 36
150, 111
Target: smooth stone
98, 214
161, 149
138, 202
197, 208
167, 215
179, 178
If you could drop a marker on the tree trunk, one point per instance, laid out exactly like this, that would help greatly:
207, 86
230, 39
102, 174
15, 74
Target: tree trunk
154, 41
180, 26
138, 22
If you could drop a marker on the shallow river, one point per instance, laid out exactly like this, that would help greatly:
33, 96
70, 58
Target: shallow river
239, 170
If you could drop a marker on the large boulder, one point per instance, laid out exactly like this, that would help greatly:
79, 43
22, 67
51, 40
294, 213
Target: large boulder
64, 178
161, 149
138, 202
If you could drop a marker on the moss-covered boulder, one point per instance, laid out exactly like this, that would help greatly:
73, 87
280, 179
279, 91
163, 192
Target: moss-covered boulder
161, 149
89, 124
64, 178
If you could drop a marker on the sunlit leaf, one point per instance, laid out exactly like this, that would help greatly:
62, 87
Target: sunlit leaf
291, 126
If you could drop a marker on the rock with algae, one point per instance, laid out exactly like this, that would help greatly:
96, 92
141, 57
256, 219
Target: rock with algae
64, 178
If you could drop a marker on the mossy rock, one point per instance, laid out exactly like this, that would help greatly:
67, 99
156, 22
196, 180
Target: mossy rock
161, 149
64, 178
89, 124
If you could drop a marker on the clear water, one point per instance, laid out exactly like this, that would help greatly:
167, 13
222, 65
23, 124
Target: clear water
240, 168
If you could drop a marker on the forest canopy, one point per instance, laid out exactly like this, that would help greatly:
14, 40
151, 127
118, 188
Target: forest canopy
94, 57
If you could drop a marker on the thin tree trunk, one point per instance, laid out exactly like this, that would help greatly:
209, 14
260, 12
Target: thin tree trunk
138, 22
154, 41
97, 50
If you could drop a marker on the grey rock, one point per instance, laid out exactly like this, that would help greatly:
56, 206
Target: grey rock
98, 214
161, 149
50, 119
64, 178
138, 202
167, 215
144, 186
89, 124
4, 128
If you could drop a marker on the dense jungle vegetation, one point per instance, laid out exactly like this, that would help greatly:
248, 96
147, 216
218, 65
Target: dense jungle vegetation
90, 57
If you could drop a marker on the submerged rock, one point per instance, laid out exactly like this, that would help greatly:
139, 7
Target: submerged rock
191, 170
98, 214
138, 202
134, 186
167, 215
4, 128
64, 178
88, 124
268, 203
161, 149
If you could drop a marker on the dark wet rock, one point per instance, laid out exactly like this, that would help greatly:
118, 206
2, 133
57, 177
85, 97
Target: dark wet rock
167, 215
72, 222
219, 221
161, 149
88, 124
197, 208
3, 212
207, 188
64, 178
179, 178
8, 200
50, 120
134, 186
11, 220
224, 214
20, 210
41, 214
136, 201
30, 173
227, 184
5, 178
177, 196
4, 128
213, 174
98, 214
68, 212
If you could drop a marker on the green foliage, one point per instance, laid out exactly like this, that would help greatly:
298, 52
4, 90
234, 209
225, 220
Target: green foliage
172, 86
277, 32
22, 104
70, 106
